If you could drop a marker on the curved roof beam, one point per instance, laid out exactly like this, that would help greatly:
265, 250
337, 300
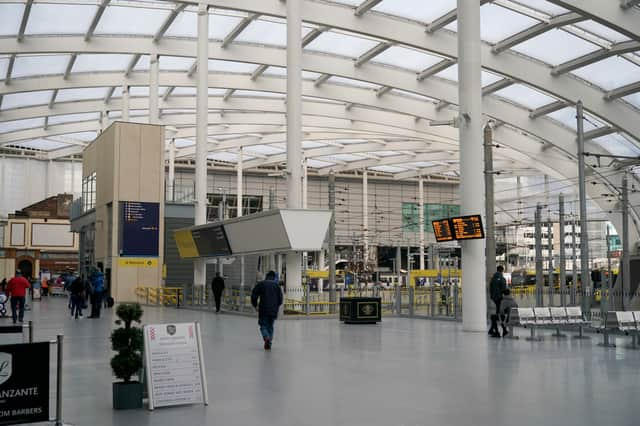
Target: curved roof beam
598, 55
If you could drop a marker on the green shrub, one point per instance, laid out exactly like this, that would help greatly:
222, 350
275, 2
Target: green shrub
128, 342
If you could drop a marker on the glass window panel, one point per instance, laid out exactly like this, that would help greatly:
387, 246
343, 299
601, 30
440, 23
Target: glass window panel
264, 32
341, 44
83, 136
567, 116
544, 6
277, 71
388, 169
185, 25
17, 100
525, 96
307, 145
565, 47
263, 149
175, 63
229, 157
142, 91
69, 118
411, 9
99, 62
184, 91
618, 144
131, 20
602, 31
60, 18
221, 25
143, 64
10, 126
610, 73
633, 99
181, 143
39, 65
317, 164
404, 57
81, 94
421, 164
10, 18
42, 144
499, 23
352, 82
230, 66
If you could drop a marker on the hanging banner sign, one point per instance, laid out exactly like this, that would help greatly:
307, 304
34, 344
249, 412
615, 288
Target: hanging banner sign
174, 365
24, 383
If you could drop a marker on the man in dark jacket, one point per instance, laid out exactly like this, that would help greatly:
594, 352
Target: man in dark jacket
497, 286
77, 297
217, 286
266, 297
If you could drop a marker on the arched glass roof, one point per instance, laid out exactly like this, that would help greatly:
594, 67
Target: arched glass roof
377, 75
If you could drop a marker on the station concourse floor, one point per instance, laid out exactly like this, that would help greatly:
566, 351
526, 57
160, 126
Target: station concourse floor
402, 372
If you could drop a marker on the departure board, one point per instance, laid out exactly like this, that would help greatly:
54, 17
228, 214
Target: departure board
211, 241
467, 227
442, 230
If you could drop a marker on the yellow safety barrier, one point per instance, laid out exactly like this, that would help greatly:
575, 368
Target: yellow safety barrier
159, 295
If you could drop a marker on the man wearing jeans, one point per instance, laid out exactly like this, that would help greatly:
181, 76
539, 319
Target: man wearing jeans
266, 297
17, 289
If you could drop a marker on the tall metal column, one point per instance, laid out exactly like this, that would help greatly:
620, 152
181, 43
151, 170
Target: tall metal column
172, 171
332, 239
563, 260
202, 95
538, 243
626, 270
154, 112
550, 257
294, 134
421, 218
239, 197
490, 257
474, 306
125, 102
584, 234
606, 288
321, 265
365, 219
574, 271
272, 205
305, 185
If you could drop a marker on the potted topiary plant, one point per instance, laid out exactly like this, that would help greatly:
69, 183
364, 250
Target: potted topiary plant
127, 341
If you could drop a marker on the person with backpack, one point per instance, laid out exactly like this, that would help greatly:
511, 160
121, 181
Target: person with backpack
266, 297
77, 297
97, 286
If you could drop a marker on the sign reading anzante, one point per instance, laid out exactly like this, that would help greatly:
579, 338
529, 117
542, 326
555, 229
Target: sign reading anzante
24, 383
174, 365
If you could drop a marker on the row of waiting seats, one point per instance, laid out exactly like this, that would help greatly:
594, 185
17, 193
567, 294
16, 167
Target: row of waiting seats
619, 322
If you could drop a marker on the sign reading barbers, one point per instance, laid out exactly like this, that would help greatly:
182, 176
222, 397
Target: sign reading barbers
174, 365
24, 383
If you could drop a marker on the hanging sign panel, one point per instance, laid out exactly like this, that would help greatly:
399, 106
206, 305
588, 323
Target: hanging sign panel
211, 241
24, 383
174, 365
442, 230
467, 227
139, 229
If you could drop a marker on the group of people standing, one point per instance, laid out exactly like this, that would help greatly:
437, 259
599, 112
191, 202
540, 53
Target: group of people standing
93, 287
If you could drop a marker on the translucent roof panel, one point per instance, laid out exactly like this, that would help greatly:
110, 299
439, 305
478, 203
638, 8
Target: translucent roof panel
543, 6
131, 20
602, 31
10, 18
408, 9
255, 93
175, 63
4, 64
213, 91
318, 164
186, 25
69, 18
525, 96
633, 99
618, 144
229, 66
565, 47
499, 23
403, 57
143, 64
341, 44
25, 66
82, 136
265, 32
310, 144
70, 118
386, 153
567, 116
42, 144
388, 169
181, 143
29, 123
451, 73
264, 149
65, 95
352, 82
341, 157
221, 25
184, 91
610, 73
98, 62
17, 100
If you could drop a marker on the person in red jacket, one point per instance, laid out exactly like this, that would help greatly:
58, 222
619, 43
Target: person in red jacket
17, 289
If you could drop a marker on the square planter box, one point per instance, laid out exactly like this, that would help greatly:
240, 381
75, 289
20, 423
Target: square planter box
127, 395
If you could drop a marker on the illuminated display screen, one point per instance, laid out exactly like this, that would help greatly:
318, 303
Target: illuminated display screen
211, 241
467, 227
442, 230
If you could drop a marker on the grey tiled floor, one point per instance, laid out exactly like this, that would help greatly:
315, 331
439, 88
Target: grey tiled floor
400, 372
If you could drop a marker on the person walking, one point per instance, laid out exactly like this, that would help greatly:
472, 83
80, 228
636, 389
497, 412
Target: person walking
17, 289
77, 297
496, 287
217, 287
266, 297
97, 285
506, 305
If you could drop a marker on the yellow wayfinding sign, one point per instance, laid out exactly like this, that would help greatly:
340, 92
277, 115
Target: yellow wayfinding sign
186, 246
138, 262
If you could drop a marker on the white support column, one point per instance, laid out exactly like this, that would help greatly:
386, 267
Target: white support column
239, 196
321, 265
172, 171
125, 102
50, 179
294, 134
154, 112
365, 218
305, 184
474, 315
104, 120
421, 218
202, 95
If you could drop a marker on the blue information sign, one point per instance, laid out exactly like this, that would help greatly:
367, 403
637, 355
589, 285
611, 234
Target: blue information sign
139, 228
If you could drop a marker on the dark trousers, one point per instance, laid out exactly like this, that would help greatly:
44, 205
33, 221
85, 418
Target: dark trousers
217, 297
96, 303
497, 303
17, 303
77, 301
266, 327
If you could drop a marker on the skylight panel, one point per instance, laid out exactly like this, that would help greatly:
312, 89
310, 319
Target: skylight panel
318, 164
403, 57
311, 144
341, 44
264, 32
181, 143
25, 66
65, 95
633, 99
228, 157
83, 136
352, 82
59, 18
100, 62
602, 31
139, 91
499, 23
567, 116
18, 100
610, 73
264, 149
618, 144
70, 118
15, 125
4, 65
342, 157
543, 6
276, 71
42, 144
525, 96
555, 47
221, 25
10, 18
388, 169
213, 91
412, 9
143, 64
310, 75
185, 25
131, 20
230, 66
421, 164
184, 91
451, 73
175, 63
